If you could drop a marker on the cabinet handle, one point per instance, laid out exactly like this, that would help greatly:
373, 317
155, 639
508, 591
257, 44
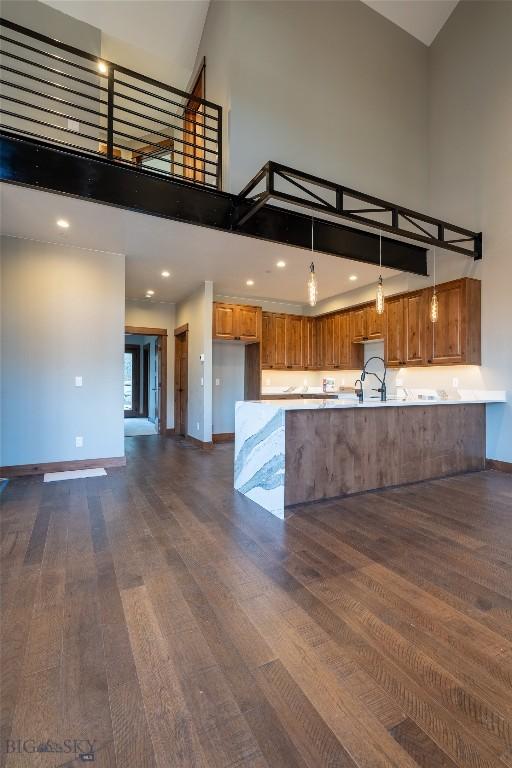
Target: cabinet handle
429, 361
237, 338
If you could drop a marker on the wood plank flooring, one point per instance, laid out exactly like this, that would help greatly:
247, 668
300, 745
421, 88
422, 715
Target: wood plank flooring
173, 623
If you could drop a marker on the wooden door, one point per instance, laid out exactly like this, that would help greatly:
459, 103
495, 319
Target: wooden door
394, 337
224, 321
247, 325
279, 340
415, 328
294, 351
267, 340
181, 383
374, 323
358, 324
447, 334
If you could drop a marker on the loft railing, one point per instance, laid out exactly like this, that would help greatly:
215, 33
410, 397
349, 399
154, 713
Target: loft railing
69, 97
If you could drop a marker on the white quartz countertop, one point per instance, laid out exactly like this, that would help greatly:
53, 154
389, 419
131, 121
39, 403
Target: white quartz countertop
316, 404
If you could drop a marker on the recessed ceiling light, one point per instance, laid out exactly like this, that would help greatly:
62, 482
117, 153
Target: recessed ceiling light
353, 277
63, 224
249, 282
150, 293
102, 67
165, 273
281, 264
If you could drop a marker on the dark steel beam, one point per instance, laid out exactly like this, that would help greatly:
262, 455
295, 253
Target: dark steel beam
33, 163
313, 200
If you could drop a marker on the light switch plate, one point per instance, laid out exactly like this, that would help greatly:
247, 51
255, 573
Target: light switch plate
78, 381
73, 125
217, 382
79, 442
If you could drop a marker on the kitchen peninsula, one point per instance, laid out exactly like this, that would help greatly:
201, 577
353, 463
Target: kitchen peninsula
289, 452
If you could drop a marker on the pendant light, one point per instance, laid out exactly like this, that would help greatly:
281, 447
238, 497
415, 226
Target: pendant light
434, 303
379, 298
312, 282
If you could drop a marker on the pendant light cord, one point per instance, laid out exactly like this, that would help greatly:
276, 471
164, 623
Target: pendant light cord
380, 250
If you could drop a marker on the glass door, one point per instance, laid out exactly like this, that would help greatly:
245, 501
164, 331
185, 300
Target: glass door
131, 381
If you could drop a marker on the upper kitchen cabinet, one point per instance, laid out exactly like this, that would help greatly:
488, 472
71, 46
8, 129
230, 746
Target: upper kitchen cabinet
311, 342
236, 322
347, 355
282, 341
405, 330
294, 342
366, 324
415, 328
374, 323
455, 337
394, 332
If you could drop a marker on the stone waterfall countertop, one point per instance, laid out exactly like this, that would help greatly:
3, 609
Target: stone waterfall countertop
260, 438
288, 404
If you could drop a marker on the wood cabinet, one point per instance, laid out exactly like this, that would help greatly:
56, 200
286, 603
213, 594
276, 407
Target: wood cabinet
411, 338
394, 332
366, 324
455, 338
416, 328
334, 341
311, 342
374, 323
357, 325
282, 341
236, 322
348, 356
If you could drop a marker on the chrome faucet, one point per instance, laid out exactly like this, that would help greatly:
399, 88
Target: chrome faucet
359, 392
382, 388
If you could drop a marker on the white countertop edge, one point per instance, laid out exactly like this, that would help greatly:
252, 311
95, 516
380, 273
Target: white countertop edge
304, 404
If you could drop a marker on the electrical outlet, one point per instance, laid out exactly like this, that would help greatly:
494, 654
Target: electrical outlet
217, 382
78, 381
73, 125
455, 382
79, 442
399, 382
202, 381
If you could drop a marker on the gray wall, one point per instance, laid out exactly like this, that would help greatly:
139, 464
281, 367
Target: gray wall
41, 18
328, 87
196, 310
228, 371
471, 172
62, 316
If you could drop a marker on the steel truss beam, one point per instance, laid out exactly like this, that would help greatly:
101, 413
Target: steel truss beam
315, 193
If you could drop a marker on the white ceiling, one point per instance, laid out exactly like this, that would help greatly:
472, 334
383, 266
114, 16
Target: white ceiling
192, 254
421, 18
161, 37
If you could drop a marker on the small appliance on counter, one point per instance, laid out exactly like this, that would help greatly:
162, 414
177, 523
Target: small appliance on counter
329, 384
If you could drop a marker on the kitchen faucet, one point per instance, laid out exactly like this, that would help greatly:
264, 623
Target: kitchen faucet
359, 392
364, 372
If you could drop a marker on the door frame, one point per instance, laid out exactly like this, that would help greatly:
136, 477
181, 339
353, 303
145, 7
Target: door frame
162, 382
182, 330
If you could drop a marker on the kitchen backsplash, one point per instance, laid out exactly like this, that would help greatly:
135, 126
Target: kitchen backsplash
448, 378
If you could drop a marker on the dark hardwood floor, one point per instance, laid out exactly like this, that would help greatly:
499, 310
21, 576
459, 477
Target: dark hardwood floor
174, 623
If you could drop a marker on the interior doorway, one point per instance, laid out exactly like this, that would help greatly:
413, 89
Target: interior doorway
145, 381
181, 380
